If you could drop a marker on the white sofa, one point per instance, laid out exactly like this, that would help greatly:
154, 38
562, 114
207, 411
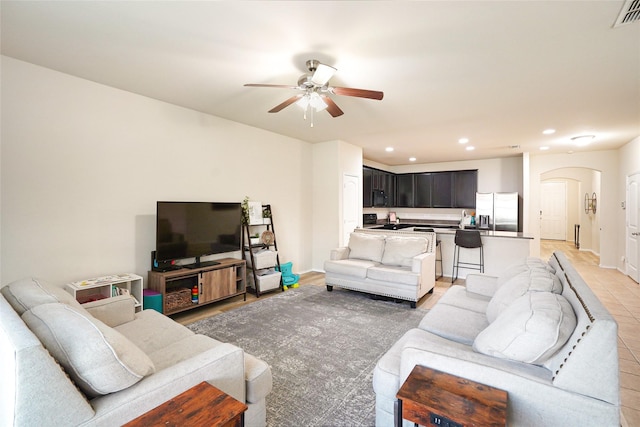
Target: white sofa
536, 331
102, 364
401, 267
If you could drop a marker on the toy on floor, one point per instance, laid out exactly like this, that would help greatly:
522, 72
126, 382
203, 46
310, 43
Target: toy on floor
289, 280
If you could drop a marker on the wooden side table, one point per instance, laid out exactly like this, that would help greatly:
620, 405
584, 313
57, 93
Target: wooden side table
429, 397
201, 405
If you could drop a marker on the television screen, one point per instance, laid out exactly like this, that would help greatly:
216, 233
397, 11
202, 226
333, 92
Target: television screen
195, 229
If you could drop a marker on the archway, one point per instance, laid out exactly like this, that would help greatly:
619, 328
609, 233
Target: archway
579, 182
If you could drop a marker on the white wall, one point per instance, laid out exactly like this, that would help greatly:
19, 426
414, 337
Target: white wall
629, 164
331, 160
83, 165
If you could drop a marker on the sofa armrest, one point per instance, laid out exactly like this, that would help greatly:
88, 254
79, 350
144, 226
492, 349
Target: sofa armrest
482, 284
112, 311
222, 366
339, 253
425, 265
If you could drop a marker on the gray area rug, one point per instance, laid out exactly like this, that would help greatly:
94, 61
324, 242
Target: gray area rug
322, 348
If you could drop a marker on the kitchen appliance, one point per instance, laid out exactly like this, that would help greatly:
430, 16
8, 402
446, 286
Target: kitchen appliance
497, 211
483, 222
369, 218
379, 198
505, 211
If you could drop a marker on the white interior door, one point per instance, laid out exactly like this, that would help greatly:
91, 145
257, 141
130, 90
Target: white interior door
553, 210
633, 230
350, 207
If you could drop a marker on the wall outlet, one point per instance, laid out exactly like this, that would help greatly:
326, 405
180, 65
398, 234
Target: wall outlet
438, 420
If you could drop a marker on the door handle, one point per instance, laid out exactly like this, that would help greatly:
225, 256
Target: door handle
635, 234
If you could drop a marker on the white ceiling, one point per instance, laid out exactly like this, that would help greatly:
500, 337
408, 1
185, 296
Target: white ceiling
496, 72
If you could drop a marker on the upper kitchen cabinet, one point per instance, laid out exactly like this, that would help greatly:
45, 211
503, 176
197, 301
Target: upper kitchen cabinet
447, 189
367, 189
378, 188
465, 185
405, 189
442, 190
423, 189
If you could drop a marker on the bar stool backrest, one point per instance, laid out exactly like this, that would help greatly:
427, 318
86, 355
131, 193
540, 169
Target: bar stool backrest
468, 238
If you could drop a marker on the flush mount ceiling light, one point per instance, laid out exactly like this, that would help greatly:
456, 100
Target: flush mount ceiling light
463, 140
412, 159
582, 140
544, 148
388, 149
470, 148
548, 131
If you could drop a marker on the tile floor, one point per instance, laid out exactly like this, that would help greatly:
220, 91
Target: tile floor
618, 292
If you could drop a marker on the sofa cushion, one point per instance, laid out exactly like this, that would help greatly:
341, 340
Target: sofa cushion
536, 279
349, 267
30, 292
401, 250
454, 323
393, 274
99, 359
521, 267
530, 330
366, 246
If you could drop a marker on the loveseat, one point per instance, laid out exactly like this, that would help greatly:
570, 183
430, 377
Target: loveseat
103, 364
400, 267
536, 331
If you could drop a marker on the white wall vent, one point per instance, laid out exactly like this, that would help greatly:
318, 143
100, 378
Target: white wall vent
630, 13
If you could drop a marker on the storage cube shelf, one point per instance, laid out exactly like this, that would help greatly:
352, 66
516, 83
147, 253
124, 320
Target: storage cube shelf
98, 288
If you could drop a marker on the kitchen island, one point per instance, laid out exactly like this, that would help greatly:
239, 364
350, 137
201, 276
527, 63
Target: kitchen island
501, 248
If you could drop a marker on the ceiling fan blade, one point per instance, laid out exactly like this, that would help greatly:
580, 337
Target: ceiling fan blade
276, 86
361, 93
332, 108
285, 104
322, 74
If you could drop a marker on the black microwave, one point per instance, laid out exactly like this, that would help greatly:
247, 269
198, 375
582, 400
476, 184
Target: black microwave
379, 198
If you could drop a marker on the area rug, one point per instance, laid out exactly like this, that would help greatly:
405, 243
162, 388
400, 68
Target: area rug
322, 348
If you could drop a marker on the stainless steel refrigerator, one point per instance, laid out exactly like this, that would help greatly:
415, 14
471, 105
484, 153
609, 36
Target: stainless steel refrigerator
502, 209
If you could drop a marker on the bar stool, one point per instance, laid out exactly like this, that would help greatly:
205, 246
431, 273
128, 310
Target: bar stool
438, 252
469, 239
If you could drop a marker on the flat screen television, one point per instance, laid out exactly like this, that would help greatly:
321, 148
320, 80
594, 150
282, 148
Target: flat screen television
197, 229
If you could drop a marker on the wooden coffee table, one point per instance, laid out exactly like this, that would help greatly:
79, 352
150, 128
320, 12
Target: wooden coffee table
202, 405
429, 397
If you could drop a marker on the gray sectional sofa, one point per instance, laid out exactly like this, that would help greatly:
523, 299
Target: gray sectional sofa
102, 364
536, 331
401, 267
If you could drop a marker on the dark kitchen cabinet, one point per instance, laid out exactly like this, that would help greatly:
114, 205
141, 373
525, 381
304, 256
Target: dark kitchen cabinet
465, 185
405, 188
375, 179
423, 189
367, 187
442, 190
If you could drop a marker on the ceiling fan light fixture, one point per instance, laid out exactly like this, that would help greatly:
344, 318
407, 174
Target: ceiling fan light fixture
321, 72
582, 140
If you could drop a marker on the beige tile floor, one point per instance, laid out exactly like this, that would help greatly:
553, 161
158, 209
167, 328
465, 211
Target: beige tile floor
619, 294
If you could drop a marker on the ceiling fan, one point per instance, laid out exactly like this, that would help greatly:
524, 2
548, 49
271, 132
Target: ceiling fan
315, 90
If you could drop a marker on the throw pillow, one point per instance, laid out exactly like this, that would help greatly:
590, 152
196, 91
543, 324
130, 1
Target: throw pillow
98, 358
30, 292
536, 279
530, 330
521, 267
366, 246
401, 250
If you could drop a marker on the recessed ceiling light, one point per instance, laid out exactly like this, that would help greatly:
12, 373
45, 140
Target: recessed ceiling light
470, 148
582, 140
544, 148
388, 149
463, 140
412, 159
549, 131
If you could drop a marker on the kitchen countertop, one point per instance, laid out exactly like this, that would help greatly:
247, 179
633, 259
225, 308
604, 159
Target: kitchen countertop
443, 228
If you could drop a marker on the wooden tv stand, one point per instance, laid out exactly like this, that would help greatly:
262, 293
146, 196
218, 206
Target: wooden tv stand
214, 283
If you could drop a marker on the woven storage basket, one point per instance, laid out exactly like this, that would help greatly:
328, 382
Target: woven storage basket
178, 299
